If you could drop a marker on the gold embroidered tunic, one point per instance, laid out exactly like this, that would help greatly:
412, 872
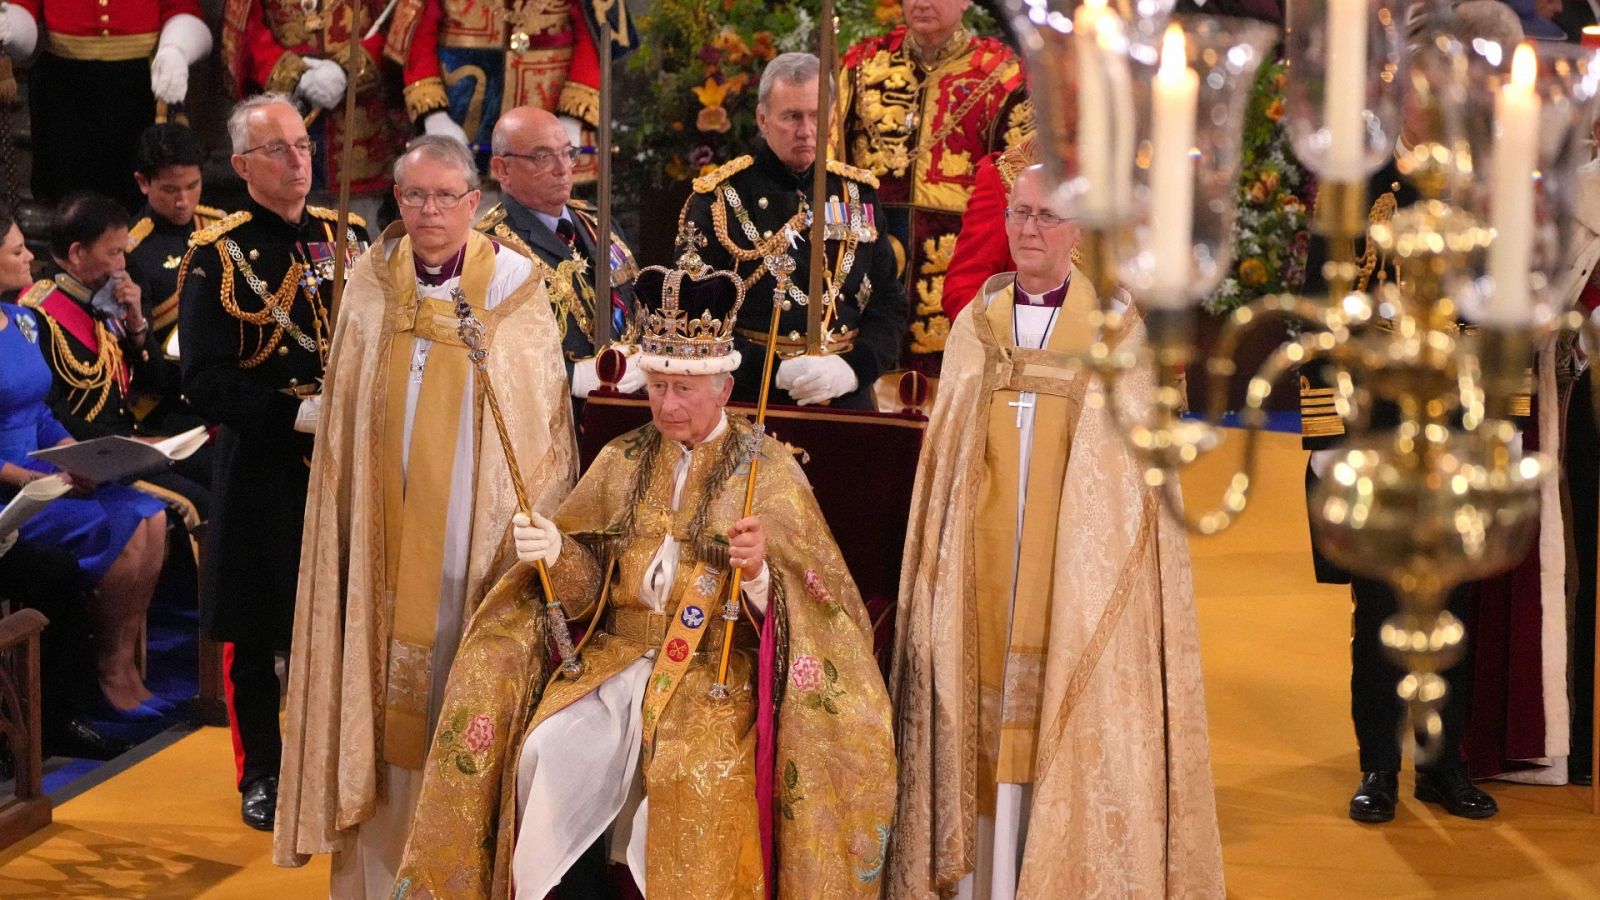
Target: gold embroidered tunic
921, 126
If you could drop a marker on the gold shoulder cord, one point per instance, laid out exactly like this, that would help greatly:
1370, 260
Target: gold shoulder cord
86, 377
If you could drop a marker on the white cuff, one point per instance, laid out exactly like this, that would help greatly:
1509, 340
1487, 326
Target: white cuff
756, 589
22, 32
187, 34
585, 377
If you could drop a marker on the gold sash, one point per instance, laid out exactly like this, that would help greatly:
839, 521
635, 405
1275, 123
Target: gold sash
1013, 635
416, 502
702, 595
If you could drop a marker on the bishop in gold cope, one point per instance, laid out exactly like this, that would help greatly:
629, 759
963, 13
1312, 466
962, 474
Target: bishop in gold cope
1032, 521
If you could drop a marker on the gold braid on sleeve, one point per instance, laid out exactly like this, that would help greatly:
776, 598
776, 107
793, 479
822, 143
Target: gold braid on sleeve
581, 102
424, 97
286, 73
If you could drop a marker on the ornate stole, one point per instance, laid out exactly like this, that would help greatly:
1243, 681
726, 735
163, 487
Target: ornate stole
415, 502
698, 599
1013, 634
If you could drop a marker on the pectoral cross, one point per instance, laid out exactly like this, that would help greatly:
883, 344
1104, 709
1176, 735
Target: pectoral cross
1021, 403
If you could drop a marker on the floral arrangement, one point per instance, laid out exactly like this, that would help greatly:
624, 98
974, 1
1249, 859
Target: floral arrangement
688, 102
1273, 204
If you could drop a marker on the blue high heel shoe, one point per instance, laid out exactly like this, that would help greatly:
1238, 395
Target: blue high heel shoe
165, 707
144, 712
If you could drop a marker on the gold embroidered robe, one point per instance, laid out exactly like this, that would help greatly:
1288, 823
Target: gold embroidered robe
344, 670
921, 128
831, 771
1122, 800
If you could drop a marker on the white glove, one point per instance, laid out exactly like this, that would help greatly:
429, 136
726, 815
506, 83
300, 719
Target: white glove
813, 379
439, 122
586, 375
308, 415
1321, 460
18, 32
633, 377
536, 538
185, 40
574, 130
322, 83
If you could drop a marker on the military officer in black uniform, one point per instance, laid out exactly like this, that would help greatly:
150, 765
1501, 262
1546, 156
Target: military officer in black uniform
168, 174
754, 211
533, 162
255, 316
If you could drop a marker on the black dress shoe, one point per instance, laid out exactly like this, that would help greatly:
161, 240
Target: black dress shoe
1454, 791
1579, 773
1375, 799
260, 804
78, 738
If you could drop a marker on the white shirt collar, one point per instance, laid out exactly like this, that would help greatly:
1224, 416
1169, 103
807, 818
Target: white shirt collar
722, 425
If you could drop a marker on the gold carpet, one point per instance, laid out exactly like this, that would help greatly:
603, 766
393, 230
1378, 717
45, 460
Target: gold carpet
1277, 679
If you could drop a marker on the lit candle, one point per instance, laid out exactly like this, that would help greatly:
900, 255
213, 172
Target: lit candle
1094, 118
1172, 173
1516, 126
1345, 91
1120, 90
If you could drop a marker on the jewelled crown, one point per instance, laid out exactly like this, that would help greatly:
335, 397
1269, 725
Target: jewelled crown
688, 321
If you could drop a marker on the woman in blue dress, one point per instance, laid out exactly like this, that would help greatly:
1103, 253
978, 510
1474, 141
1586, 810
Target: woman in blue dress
116, 533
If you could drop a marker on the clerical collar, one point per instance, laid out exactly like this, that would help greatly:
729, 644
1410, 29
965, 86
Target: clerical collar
1052, 298
434, 276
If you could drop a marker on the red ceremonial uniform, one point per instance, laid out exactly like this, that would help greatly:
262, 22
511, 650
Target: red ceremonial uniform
983, 248
921, 125
265, 44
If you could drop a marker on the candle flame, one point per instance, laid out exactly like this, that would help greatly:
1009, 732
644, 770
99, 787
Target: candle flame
1174, 58
1095, 5
1524, 65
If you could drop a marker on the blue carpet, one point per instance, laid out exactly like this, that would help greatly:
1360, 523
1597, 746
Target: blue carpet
1287, 421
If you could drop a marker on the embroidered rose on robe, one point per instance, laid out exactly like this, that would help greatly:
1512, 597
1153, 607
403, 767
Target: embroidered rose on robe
478, 736
806, 674
818, 590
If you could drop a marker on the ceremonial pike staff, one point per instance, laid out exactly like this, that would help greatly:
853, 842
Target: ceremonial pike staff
471, 333
782, 266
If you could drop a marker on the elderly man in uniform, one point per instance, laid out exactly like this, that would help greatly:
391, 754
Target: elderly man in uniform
255, 300
921, 106
754, 212
533, 162
737, 793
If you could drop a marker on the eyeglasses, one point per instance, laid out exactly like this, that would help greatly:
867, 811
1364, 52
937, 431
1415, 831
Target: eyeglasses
417, 199
280, 149
544, 159
1045, 220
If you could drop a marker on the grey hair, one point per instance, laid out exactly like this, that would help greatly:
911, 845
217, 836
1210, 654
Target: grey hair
441, 148
1466, 20
238, 124
790, 68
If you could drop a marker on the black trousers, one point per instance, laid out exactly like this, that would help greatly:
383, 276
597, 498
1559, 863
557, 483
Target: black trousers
1374, 706
86, 118
255, 709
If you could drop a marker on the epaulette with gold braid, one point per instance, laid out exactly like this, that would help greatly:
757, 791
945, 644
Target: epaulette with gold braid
844, 170
578, 203
138, 232
495, 215
205, 215
210, 233
708, 182
1015, 158
332, 215
33, 296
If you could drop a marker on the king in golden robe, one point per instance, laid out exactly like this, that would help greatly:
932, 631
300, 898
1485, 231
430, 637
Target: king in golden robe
780, 780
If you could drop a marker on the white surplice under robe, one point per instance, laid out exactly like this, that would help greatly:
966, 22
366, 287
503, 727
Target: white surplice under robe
579, 769
366, 870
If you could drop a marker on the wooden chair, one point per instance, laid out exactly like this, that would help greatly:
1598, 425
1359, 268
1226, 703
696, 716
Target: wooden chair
27, 809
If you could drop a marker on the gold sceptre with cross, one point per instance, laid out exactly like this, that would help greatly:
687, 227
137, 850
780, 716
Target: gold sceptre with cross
782, 266
471, 332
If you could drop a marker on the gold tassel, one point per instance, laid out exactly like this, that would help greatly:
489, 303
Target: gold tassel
8, 81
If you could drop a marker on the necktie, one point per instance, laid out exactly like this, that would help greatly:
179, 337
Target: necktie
565, 232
